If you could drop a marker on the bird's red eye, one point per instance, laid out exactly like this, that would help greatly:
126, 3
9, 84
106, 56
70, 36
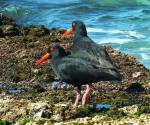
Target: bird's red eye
73, 24
52, 49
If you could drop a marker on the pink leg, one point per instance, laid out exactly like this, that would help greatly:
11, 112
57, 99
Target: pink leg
85, 96
78, 95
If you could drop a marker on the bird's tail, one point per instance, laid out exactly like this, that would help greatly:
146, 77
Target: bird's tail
116, 76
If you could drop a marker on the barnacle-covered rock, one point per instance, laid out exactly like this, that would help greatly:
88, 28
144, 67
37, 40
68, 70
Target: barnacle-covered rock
10, 30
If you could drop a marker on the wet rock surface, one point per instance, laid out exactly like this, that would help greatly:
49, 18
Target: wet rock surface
29, 95
4, 20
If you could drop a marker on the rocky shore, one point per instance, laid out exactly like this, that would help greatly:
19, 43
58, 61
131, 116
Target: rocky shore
29, 95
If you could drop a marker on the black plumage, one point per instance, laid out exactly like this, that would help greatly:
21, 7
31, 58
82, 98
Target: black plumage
85, 48
88, 62
78, 71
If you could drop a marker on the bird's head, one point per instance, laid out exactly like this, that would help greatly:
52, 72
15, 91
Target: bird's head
53, 52
78, 29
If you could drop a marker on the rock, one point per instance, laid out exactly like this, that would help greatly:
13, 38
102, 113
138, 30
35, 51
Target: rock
145, 117
17, 123
54, 40
97, 118
42, 115
10, 30
46, 114
79, 121
38, 88
55, 35
38, 106
48, 123
34, 70
57, 117
32, 123
4, 20
115, 113
10, 116
143, 109
38, 31
136, 74
22, 111
11, 109
1, 33
130, 110
21, 54
64, 112
3, 110
135, 87
61, 105
85, 120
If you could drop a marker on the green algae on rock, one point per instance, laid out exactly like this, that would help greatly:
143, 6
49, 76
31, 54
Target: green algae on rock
143, 110
23, 121
3, 122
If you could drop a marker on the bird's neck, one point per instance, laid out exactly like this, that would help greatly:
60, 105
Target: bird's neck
76, 38
59, 56
80, 34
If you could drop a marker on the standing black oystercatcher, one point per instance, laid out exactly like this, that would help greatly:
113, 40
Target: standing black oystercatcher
86, 48
77, 71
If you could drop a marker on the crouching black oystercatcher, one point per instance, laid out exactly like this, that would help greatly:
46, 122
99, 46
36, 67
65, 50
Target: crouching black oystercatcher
77, 71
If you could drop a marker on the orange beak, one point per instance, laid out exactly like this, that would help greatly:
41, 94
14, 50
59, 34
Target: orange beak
67, 33
42, 59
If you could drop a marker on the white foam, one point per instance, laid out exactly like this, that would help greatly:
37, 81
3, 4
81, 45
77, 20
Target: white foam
145, 56
144, 49
113, 40
99, 30
54, 2
132, 34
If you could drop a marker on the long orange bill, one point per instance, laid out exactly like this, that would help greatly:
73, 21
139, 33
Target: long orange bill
42, 59
67, 33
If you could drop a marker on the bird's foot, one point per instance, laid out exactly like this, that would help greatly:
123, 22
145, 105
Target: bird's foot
85, 96
78, 96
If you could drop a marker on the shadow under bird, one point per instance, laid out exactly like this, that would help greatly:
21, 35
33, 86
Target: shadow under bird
84, 47
77, 71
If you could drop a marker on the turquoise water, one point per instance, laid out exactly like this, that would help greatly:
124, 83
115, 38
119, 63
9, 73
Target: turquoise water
107, 106
122, 24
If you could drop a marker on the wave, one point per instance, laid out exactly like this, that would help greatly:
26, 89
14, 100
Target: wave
79, 9
132, 34
118, 3
54, 1
143, 49
99, 30
145, 56
112, 40
15, 12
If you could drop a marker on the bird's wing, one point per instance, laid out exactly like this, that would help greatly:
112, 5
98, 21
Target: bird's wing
72, 69
78, 69
97, 53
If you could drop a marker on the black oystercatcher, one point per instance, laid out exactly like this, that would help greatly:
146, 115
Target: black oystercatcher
86, 48
77, 71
